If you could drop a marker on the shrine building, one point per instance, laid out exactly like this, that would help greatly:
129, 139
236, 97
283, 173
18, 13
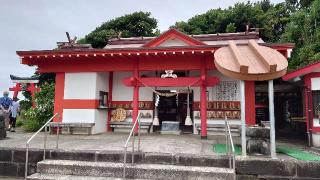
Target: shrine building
308, 78
159, 77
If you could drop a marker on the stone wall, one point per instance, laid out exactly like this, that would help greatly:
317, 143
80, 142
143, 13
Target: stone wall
12, 163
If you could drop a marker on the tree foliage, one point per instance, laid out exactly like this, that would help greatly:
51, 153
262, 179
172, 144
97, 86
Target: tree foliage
36, 117
131, 25
304, 30
44, 78
272, 18
296, 21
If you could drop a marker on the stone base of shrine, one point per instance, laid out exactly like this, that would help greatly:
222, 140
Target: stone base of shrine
316, 139
171, 132
170, 127
127, 130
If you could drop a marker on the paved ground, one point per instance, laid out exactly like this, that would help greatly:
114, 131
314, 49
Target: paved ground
186, 143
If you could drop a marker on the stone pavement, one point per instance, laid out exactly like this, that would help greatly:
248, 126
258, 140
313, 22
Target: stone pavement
187, 143
185, 150
156, 143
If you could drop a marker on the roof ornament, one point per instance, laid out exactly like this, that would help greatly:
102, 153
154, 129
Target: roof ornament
72, 44
71, 41
119, 35
247, 29
257, 30
169, 74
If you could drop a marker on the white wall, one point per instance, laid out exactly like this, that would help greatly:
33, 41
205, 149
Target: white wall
86, 86
80, 86
99, 117
102, 83
145, 93
315, 83
120, 91
125, 93
173, 42
316, 122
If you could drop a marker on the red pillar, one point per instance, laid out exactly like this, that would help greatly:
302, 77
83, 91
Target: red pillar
250, 103
109, 99
203, 99
16, 91
135, 102
308, 103
59, 95
32, 90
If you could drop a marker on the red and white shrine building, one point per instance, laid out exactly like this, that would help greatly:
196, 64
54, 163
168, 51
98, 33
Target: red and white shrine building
129, 70
308, 77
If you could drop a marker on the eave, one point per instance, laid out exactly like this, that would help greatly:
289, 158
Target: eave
302, 71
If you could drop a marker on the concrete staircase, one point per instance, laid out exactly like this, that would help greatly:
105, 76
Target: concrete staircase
143, 169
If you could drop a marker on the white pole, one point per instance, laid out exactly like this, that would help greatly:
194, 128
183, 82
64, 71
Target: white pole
271, 117
243, 118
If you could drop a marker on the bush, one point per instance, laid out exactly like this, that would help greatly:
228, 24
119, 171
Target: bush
19, 121
27, 102
31, 125
36, 117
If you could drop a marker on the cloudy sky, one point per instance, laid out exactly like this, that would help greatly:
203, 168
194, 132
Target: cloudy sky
39, 24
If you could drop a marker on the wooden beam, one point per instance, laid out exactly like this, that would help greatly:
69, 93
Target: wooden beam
170, 82
268, 63
240, 60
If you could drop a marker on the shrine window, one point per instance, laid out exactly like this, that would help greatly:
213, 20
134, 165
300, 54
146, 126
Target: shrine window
316, 103
103, 99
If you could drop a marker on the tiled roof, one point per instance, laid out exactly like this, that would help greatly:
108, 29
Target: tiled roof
209, 39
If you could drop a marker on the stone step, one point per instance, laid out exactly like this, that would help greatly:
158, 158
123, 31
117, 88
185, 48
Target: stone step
140, 171
140, 157
215, 133
39, 176
222, 130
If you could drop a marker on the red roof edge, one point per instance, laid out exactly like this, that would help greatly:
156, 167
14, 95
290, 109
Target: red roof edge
301, 71
175, 33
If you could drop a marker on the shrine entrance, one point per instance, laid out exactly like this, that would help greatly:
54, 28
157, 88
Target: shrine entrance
174, 108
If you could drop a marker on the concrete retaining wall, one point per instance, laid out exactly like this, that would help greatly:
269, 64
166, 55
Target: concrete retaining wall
12, 163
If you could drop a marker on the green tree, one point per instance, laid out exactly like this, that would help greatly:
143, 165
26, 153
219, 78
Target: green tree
304, 30
231, 28
36, 117
294, 5
131, 25
271, 18
44, 78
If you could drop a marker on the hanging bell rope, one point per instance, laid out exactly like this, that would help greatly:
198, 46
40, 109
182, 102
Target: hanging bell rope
167, 94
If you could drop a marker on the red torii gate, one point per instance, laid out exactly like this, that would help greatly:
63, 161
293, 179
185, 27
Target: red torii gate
25, 84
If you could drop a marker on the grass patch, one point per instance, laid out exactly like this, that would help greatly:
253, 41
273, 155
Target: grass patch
292, 152
298, 154
221, 149
31, 125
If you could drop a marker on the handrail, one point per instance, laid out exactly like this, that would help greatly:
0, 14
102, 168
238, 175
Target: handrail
137, 121
230, 152
44, 144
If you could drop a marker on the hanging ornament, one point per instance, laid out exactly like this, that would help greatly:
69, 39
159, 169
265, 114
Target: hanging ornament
155, 121
177, 99
157, 100
188, 121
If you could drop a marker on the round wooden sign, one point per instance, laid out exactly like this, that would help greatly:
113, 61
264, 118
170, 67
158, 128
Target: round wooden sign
119, 115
